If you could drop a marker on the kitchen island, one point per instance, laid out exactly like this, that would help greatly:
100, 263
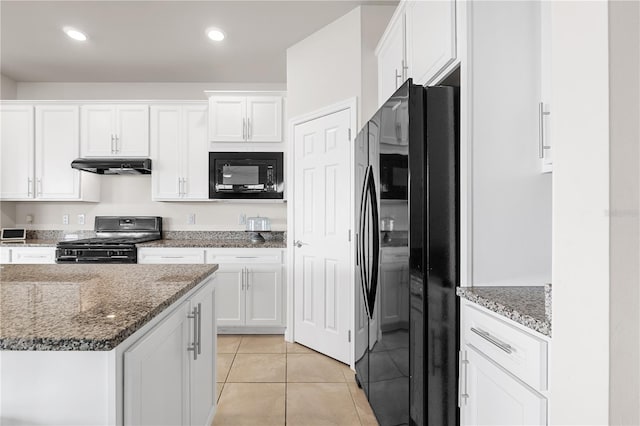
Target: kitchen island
107, 344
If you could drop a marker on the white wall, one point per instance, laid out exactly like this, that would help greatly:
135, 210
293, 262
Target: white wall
131, 195
337, 63
8, 88
624, 328
158, 91
579, 381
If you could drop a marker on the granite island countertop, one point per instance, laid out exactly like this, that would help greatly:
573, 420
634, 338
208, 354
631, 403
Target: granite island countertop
526, 305
30, 242
86, 307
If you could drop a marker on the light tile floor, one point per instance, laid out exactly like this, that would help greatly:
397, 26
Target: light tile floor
263, 380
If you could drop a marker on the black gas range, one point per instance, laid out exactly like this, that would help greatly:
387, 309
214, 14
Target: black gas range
115, 241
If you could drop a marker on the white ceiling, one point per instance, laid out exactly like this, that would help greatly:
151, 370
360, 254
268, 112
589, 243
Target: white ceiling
158, 41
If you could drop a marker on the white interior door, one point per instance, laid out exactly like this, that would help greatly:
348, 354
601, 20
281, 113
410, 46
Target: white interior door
323, 285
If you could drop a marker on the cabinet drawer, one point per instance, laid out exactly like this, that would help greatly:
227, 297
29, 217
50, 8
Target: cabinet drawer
5, 255
33, 255
244, 256
517, 351
170, 255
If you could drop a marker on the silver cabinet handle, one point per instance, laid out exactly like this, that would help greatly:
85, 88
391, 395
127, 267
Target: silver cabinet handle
193, 347
541, 144
117, 147
398, 76
405, 68
29, 187
464, 396
199, 328
493, 340
247, 274
38, 187
113, 138
184, 187
248, 129
242, 279
244, 129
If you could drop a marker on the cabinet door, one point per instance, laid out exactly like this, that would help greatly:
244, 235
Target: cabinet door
5, 255
97, 131
495, 397
33, 255
391, 276
227, 118
230, 304
546, 150
166, 150
391, 61
202, 371
195, 151
264, 119
431, 38
16, 131
264, 295
57, 145
156, 373
132, 135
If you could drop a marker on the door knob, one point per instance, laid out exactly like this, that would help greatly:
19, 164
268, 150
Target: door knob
300, 244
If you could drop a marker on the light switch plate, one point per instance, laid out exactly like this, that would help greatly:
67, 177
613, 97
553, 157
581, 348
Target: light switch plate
191, 219
81, 219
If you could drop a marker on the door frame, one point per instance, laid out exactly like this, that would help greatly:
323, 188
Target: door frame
350, 104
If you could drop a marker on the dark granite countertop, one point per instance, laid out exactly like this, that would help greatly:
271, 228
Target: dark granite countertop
214, 243
86, 307
529, 306
32, 242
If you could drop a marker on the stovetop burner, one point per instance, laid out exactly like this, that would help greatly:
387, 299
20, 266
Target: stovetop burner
115, 242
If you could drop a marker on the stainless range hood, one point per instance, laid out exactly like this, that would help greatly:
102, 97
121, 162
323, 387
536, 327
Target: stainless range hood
113, 166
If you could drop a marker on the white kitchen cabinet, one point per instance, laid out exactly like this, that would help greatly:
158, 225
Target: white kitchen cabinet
503, 371
170, 372
544, 114
179, 152
495, 397
17, 131
250, 288
245, 118
109, 130
392, 66
5, 255
430, 38
33, 255
170, 255
419, 43
394, 281
38, 145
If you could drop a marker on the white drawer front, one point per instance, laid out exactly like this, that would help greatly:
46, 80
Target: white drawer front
244, 256
517, 351
33, 255
170, 255
5, 255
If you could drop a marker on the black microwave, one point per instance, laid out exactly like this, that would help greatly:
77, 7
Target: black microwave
246, 175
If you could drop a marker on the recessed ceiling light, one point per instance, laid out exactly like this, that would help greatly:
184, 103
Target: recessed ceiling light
75, 34
215, 34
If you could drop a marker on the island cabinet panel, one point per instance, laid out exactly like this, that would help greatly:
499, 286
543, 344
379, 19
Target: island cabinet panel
170, 372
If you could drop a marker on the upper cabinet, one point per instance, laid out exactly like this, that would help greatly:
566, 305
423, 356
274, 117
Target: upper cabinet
419, 43
179, 152
245, 118
114, 130
545, 152
38, 145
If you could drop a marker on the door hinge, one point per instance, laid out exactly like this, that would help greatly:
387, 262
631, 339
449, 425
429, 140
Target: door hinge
349, 235
349, 133
349, 336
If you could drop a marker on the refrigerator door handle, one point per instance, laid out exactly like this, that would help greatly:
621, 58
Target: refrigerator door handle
361, 241
373, 287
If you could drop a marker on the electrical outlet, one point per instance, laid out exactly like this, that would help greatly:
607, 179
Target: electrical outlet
65, 219
81, 219
242, 219
191, 219
29, 219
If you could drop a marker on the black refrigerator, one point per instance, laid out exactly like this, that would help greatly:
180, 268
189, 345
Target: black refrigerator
407, 313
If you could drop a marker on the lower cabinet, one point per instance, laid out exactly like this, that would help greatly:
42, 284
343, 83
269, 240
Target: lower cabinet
503, 372
250, 295
27, 255
170, 373
162, 255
